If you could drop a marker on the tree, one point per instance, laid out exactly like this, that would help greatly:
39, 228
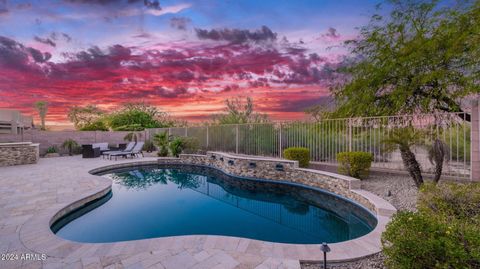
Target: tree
42, 108
404, 139
421, 58
438, 152
86, 117
317, 112
240, 112
162, 118
137, 117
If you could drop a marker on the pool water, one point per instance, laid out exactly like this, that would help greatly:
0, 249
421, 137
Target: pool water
159, 201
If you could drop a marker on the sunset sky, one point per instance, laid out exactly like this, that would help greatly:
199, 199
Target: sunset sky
185, 56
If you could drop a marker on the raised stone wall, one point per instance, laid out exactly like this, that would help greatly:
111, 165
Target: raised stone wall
18, 153
280, 170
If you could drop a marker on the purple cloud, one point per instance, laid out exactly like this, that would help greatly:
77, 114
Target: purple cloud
237, 36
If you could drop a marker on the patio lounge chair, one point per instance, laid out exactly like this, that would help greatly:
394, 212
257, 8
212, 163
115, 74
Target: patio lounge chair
128, 148
137, 149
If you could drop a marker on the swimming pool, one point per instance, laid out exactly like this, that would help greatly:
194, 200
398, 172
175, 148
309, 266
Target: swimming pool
172, 200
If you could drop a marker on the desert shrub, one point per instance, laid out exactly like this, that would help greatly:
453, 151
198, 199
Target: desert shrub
190, 145
302, 155
444, 233
451, 201
133, 117
97, 125
129, 127
71, 145
52, 149
148, 146
182, 144
355, 164
176, 146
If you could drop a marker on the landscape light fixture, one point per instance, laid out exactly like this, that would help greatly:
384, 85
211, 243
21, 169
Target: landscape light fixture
324, 248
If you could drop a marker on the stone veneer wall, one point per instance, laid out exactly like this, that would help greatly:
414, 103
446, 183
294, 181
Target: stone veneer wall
18, 153
266, 169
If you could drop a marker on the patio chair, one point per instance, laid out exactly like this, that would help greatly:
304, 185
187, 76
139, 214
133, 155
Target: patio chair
137, 149
89, 151
128, 148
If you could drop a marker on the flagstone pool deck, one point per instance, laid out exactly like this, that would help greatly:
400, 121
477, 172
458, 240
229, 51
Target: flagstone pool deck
31, 195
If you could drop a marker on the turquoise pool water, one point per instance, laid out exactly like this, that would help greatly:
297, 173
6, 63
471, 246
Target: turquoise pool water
159, 201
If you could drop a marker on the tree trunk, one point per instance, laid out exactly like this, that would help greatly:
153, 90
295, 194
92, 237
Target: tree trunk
412, 165
439, 149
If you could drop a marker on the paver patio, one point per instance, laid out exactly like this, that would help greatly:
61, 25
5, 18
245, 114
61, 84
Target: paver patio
30, 195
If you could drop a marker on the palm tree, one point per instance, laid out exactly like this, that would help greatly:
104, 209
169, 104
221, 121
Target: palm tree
438, 152
70, 144
404, 139
161, 141
42, 108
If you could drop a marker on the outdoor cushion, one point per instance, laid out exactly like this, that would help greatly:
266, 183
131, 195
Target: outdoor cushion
102, 146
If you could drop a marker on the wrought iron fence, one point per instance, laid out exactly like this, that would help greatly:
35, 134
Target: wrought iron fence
327, 138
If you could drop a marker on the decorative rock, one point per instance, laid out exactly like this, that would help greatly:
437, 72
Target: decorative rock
266, 168
18, 153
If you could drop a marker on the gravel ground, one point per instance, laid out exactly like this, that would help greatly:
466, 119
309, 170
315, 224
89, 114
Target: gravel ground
401, 192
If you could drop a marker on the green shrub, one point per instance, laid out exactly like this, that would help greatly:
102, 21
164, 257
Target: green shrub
451, 201
355, 164
148, 146
161, 141
176, 146
130, 127
133, 117
52, 149
97, 125
71, 145
182, 144
444, 233
302, 155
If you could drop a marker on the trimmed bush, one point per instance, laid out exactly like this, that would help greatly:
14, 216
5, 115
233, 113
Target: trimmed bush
444, 233
355, 164
302, 155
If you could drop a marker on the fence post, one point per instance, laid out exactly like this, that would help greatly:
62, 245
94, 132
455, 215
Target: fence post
280, 141
186, 131
475, 142
207, 137
236, 139
349, 134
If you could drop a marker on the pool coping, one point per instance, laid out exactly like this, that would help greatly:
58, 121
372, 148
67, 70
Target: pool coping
37, 236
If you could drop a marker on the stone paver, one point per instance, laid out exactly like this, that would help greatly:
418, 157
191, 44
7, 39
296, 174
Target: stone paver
32, 196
